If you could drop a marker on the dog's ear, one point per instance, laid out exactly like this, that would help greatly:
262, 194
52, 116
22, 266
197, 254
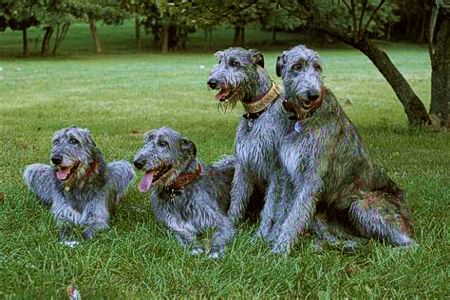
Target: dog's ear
187, 146
258, 58
86, 135
280, 65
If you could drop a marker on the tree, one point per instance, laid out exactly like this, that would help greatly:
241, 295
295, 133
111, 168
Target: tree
439, 49
92, 11
20, 15
355, 22
55, 20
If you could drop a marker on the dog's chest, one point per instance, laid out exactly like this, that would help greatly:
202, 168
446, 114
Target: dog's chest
80, 199
298, 153
256, 144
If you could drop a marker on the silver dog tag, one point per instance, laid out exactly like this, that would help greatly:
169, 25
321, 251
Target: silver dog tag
298, 127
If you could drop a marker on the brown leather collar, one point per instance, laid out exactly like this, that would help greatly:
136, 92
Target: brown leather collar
299, 112
258, 106
184, 179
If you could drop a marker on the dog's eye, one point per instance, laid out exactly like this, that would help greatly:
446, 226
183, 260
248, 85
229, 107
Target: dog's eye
317, 67
162, 143
56, 142
297, 67
234, 63
73, 141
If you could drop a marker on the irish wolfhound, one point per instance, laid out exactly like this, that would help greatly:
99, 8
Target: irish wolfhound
240, 76
79, 185
328, 164
188, 196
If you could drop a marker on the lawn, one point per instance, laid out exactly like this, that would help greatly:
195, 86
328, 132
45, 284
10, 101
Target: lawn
120, 95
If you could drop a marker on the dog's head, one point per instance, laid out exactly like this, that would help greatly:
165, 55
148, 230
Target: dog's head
165, 153
74, 154
237, 74
301, 71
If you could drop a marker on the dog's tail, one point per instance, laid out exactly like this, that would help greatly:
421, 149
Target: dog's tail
120, 174
225, 165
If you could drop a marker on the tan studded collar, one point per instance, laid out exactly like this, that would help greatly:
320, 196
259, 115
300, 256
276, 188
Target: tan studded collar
257, 106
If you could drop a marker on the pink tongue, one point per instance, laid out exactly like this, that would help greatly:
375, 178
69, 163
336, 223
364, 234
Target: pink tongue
222, 94
146, 182
62, 173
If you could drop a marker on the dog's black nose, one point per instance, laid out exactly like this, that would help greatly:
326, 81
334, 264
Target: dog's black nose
56, 160
139, 164
212, 83
312, 96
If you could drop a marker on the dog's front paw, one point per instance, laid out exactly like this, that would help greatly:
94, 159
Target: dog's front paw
281, 248
70, 244
88, 233
197, 250
216, 253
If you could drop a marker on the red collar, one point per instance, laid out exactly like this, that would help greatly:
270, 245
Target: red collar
184, 179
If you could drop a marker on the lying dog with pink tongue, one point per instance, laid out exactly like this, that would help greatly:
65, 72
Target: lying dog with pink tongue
80, 186
187, 195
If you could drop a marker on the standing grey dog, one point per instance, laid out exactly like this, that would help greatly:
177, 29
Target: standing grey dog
188, 196
329, 165
240, 76
79, 185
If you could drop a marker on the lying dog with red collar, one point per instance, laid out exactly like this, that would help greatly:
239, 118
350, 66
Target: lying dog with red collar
186, 195
80, 186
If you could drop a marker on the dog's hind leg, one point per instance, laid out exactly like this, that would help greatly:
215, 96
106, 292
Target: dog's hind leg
334, 234
120, 174
40, 179
374, 214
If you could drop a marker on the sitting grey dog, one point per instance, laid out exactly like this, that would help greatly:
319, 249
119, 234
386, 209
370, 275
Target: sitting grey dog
187, 196
80, 187
329, 165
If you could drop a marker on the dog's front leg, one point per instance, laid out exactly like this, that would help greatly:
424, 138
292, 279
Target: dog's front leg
241, 190
270, 202
222, 236
95, 216
299, 217
188, 240
65, 216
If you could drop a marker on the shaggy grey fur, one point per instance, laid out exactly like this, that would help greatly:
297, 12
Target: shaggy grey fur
79, 185
198, 205
240, 76
328, 164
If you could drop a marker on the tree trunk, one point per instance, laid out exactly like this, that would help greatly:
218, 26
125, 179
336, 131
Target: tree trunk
165, 39
440, 74
237, 36
242, 38
45, 48
26, 50
93, 28
205, 42
210, 30
61, 31
137, 33
414, 108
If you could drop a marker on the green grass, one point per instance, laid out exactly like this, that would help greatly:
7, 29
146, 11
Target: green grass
121, 95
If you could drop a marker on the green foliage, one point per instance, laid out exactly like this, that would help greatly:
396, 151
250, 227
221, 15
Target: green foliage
111, 12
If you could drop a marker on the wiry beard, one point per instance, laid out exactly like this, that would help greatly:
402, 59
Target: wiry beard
230, 104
